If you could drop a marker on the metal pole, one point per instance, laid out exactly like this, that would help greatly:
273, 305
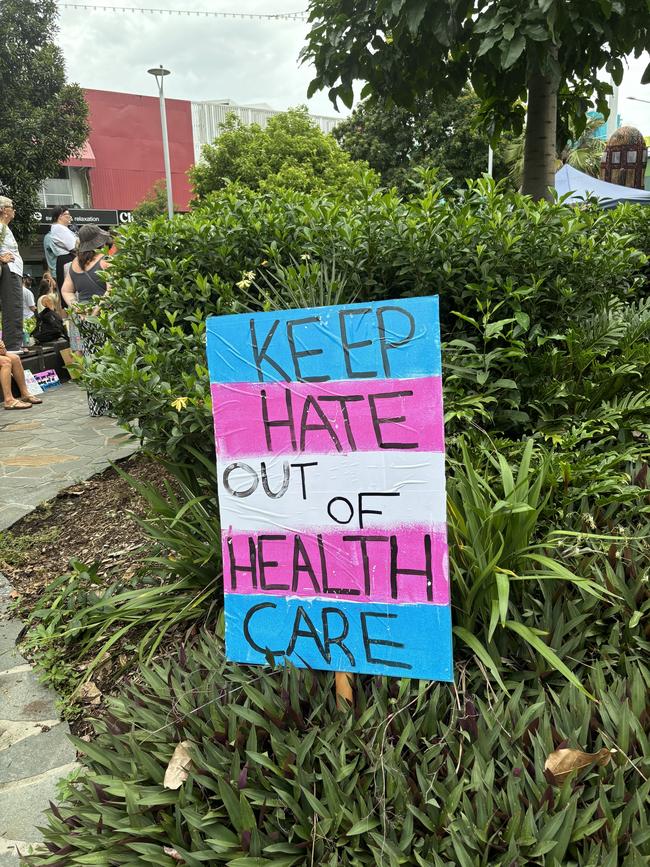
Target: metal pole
612, 119
168, 170
490, 160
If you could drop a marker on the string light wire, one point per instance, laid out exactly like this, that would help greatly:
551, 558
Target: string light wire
249, 16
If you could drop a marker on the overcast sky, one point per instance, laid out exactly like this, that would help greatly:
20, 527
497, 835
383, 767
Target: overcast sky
210, 58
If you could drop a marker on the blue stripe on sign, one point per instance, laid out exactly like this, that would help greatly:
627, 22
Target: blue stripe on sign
380, 340
396, 640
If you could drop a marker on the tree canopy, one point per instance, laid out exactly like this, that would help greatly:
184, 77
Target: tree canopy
153, 205
395, 140
43, 119
290, 152
536, 57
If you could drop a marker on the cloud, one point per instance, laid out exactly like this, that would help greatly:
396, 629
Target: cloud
210, 58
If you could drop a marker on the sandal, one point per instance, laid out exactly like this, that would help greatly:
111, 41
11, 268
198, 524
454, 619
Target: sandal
18, 404
29, 398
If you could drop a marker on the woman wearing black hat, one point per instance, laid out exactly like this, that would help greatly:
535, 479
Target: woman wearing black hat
84, 283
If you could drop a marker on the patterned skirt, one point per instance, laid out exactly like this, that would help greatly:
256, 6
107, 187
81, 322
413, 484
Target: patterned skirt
92, 339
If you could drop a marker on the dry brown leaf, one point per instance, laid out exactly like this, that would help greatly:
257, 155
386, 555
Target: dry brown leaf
561, 763
177, 769
90, 693
168, 850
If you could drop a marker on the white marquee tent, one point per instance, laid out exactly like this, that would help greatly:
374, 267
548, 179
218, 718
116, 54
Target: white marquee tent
582, 186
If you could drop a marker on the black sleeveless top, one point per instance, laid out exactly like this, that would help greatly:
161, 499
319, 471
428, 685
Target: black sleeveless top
88, 284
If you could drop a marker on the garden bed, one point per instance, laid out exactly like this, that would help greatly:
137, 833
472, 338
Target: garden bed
88, 521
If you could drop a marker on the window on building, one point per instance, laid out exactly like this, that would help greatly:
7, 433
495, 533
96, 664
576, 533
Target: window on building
631, 157
70, 187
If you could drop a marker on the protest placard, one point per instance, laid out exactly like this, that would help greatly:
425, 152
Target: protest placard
330, 449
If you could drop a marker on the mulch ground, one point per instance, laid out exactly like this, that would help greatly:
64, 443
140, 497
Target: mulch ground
92, 522
89, 522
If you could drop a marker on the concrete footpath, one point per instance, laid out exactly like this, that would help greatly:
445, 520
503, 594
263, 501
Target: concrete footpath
42, 451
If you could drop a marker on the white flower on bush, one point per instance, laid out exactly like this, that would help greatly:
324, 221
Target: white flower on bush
246, 280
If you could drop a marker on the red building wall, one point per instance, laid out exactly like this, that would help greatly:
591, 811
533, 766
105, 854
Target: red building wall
126, 140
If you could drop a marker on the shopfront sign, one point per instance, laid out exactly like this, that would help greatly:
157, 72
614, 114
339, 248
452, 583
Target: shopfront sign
87, 217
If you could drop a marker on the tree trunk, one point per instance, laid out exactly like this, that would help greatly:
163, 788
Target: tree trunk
541, 133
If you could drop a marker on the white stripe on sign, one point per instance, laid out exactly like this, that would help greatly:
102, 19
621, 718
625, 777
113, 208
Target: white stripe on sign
325, 492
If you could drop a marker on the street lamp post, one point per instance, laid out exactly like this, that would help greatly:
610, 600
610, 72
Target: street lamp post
159, 73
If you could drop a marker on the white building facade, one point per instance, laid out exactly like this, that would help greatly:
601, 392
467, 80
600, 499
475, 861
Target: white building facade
208, 116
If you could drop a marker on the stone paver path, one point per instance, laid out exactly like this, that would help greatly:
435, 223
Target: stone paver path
42, 451
50, 447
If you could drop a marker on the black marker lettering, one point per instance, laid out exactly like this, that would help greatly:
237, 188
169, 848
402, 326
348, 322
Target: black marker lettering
323, 561
286, 422
303, 353
340, 500
247, 632
247, 491
378, 421
363, 543
300, 553
235, 568
343, 401
310, 632
325, 425
335, 639
368, 641
270, 564
301, 467
427, 572
363, 511
333, 591
359, 374
275, 495
394, 344
260, 356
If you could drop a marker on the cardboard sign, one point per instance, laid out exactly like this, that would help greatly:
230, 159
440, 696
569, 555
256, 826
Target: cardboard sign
47, 378
32, 384
330, 450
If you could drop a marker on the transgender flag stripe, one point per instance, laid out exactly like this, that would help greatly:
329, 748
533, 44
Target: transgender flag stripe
281, 492
346, 416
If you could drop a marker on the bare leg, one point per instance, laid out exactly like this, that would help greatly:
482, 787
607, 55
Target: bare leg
5, 381
19, 373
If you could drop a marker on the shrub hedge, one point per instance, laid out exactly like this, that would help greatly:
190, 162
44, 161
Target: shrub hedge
520, 283
546, 366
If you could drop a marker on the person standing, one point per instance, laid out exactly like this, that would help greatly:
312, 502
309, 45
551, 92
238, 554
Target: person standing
29, 307
11, 282
84, 285
64, 241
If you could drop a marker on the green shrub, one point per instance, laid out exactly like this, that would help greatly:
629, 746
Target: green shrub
518, 281
417, 774
178, 584
290, 152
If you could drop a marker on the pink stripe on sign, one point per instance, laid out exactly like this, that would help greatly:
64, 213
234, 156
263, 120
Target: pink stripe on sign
399, 565
260, 418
